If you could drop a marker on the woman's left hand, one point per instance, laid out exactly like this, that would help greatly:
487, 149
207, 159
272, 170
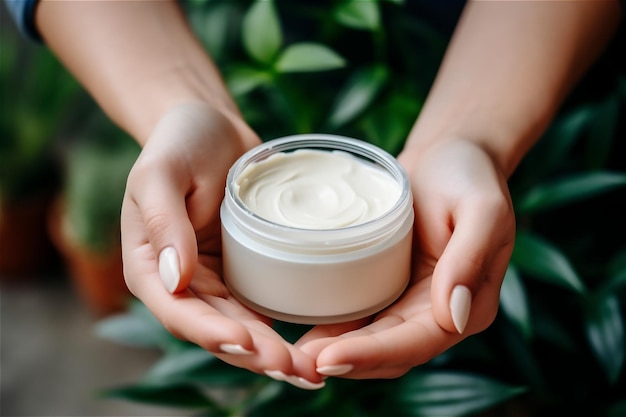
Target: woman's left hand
463, 238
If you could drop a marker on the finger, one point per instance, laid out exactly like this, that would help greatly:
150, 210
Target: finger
478, 251
156, 211
242, 341
280, 360
402, 336
243, 344
183, 314
331, 330
387, 351
275, 356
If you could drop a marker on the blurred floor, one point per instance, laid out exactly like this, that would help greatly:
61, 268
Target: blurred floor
51, 362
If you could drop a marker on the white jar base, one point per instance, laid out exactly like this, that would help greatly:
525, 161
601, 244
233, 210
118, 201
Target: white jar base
297, 319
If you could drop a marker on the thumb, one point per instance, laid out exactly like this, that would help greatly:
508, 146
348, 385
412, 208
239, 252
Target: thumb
467, 278
160, 199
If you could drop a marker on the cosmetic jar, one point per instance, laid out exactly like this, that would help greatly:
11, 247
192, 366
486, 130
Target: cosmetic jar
318, 275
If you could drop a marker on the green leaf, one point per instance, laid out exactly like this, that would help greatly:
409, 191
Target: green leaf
179, 396
605, 332
174, 366
308, 56
566, 190
134, 330
358, 14
242, 80
514, 302
555, 144
217, 26
450, 394
617, 267
359, 92
219, 374
540, 259
602, 131
554, 330
262, 35
389, 120
187, 363
270, 391
524, 362
616, 282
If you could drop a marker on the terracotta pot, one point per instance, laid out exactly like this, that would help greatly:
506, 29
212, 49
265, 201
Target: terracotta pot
25, 249
97, 277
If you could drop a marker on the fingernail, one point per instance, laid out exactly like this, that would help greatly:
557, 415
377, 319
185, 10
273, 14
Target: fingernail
302, 383
169, 268
235, 349
277, 375
335, 370
460, 304
296, 381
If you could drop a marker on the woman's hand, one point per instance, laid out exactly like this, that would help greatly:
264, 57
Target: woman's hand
172, 246
463, 238
464, 222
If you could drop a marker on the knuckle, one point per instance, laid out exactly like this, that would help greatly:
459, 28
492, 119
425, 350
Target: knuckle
495, 208
494, 203
156, 223
144, 168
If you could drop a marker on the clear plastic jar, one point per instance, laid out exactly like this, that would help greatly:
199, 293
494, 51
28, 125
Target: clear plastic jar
317, 276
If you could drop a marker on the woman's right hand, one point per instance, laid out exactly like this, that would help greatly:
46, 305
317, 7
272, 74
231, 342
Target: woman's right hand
172, 245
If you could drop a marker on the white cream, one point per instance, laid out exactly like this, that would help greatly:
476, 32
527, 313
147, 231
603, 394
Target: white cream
316, 189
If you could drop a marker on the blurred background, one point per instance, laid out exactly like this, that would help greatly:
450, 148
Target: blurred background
67, 334
58, 277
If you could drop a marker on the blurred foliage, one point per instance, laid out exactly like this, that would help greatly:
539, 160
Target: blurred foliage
97, 164
363, 69
373, 83
36, 95
47, 145
54, 139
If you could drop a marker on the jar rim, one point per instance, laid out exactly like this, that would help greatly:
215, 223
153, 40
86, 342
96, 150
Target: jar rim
366, 232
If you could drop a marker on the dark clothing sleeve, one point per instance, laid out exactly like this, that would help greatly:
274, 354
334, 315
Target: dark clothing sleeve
23, 13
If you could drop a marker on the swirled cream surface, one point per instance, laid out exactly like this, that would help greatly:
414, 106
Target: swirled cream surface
316, 189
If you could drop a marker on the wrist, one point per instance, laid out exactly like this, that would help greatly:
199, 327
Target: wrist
143, 104
418, 153
504, 143
150, 63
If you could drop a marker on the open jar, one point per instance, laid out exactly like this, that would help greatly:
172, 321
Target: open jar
317, 275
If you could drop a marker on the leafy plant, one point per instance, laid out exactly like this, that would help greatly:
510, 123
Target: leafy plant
366, 85
557, 345
97, 165
34, 109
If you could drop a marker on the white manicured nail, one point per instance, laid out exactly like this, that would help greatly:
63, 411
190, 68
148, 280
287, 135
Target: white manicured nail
302, 383
169, 268
460, 305
294, 380
335, 370
277, 375
235, 349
